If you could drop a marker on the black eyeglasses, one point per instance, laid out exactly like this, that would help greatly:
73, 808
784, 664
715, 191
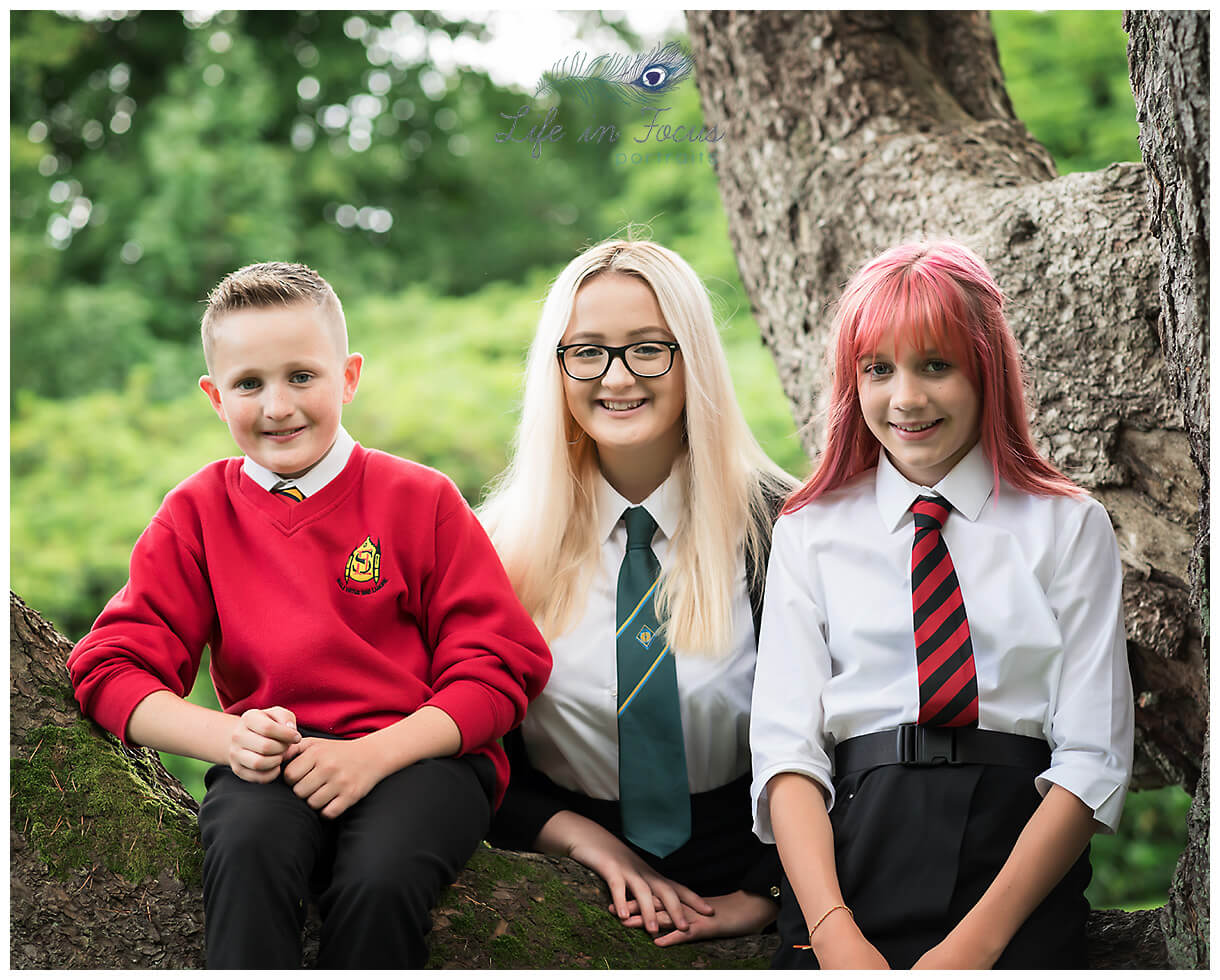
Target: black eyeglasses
588, 362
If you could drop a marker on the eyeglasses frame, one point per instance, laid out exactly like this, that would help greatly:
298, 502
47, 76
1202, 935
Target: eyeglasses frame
621, 354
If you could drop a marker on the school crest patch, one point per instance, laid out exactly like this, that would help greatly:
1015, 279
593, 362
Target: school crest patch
362, 574
645, 637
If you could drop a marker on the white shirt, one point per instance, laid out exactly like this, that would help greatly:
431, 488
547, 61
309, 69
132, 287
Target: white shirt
571, 729
1042, 586
320, 474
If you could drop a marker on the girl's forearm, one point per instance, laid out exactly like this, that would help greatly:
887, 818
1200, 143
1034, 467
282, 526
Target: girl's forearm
806, 845
1050, 844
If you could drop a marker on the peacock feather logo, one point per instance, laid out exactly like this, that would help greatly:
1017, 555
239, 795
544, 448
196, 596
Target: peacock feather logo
627, 78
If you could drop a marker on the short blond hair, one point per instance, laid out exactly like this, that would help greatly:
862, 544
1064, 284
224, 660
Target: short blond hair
271, 285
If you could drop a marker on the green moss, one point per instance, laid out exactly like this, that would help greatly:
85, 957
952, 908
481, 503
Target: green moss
548, 927
83, 805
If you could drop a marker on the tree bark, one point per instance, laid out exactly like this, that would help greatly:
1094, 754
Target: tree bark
105, 860
1168, 52
848, 132
105, 864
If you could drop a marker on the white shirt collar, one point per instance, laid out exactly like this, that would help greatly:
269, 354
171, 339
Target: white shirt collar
967, 487
320, 474
664, 504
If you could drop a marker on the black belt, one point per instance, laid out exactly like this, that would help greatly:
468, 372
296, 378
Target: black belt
917, 745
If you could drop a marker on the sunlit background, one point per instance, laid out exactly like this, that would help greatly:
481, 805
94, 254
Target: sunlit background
152, 153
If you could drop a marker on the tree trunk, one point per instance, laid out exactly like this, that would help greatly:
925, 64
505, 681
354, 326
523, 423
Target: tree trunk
1168, 53
848, 132
105, 860
105, 863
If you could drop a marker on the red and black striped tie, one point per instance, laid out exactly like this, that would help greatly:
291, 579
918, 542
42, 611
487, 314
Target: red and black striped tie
948, 687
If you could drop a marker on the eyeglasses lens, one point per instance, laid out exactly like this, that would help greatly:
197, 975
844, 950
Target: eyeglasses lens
645, 360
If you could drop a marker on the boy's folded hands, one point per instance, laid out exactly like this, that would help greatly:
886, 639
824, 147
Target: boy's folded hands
331, 774
258, 743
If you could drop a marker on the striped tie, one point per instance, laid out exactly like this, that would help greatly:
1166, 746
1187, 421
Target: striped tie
654, 793
948, 687
285, 489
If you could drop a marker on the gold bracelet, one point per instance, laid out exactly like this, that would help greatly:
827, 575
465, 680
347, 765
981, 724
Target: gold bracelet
833, 908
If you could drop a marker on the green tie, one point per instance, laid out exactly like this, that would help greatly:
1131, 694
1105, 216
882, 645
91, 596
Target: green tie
653, 788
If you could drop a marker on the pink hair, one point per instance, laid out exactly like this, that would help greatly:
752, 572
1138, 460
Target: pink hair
932, 295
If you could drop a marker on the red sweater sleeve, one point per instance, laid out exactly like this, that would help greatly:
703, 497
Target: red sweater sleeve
151, 634
488, 658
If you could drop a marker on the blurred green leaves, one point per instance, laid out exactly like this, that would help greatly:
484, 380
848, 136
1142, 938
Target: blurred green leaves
1066, 72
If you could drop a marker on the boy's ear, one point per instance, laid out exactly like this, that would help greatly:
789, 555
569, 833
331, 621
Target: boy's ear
351, 376
213, 393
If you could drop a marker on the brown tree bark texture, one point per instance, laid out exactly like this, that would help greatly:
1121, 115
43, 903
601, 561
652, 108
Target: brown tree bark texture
848, 132
105, 861
1168, 53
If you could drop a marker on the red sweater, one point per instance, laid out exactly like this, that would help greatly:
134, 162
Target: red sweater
353, 608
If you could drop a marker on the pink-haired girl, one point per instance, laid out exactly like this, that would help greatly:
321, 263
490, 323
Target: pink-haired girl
942, 712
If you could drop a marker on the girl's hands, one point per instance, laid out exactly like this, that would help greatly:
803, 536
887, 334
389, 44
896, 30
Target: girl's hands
624, 872
259, 741
839, 944
943, 957
963, 949
736, 914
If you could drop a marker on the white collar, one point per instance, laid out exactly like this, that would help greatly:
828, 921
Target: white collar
318, 475
967, 487
664, 504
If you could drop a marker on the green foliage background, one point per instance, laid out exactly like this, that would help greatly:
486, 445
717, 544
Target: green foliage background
152, 153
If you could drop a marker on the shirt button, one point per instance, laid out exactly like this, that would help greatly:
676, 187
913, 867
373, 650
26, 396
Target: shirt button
775, 891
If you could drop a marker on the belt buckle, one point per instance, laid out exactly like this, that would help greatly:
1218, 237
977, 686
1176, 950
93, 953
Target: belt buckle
922, 746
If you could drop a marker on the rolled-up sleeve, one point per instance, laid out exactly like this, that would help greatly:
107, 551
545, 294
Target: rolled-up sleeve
786, 715
1092, 718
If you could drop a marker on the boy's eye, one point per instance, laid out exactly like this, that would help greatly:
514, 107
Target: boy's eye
246, 384
301, 377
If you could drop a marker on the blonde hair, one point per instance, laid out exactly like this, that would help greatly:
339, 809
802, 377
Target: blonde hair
542, 511
270, 285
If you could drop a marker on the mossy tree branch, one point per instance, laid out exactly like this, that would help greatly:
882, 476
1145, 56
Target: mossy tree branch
105, 860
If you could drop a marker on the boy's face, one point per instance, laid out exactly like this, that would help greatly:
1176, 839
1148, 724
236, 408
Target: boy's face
280, 381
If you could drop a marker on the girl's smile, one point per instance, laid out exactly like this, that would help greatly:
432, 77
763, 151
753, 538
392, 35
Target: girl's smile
921, 408
637, 423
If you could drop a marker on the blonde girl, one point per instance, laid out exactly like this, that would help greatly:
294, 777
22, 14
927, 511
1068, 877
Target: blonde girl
629, 406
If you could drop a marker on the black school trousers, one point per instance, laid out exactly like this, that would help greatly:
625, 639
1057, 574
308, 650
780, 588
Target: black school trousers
375, 871
916, 847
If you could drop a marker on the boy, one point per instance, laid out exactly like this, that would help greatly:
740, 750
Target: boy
366, 647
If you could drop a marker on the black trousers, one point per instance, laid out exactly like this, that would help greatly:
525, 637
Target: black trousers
376, 870
915, 848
